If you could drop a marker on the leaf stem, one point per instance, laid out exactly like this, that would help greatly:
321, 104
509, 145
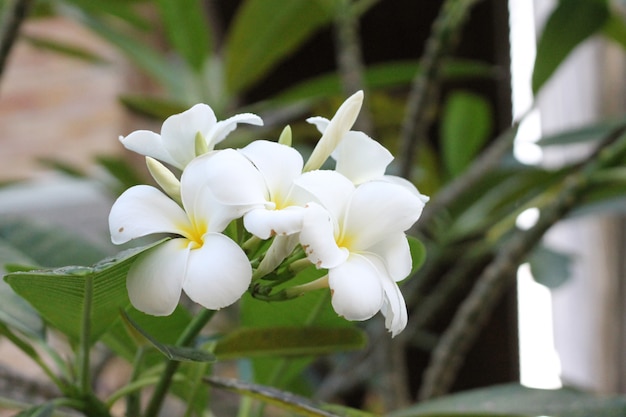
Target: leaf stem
185, 339
84, 343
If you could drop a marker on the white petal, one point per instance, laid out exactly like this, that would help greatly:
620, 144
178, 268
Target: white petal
361, 158
331, 189
378, 209
321, 123
142, 210
155, 279
221, 129
266, 223
222, 186
279, 164
218, 273
357, 293
406, 184
394, 307
340, 124
179, 132
396, 254
147, 143
318, 240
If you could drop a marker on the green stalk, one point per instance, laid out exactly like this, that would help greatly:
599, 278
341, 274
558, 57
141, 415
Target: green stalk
185, 339
84, 343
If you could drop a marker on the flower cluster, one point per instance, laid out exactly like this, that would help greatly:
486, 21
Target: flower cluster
350, 221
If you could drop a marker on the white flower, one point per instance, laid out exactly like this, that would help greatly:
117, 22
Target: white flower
211, 268
357, 233
176, 145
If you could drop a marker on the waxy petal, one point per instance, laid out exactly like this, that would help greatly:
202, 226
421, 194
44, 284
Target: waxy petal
221, 129
179, 132
281, 247
218, 273
279, 164
357, 292
142, 210
378, 209
396, 254
155, 279
394, 307
148, 143
265, 223
318, 240
361, 158
329, 188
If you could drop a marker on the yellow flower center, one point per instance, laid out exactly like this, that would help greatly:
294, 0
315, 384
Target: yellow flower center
195, 232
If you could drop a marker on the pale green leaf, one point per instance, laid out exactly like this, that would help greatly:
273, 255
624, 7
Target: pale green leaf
572, 22
549, 267
59, 295
465, 127
288, 341
264, 32
418, 253
518, 400
187, 30
285, 400
588, 133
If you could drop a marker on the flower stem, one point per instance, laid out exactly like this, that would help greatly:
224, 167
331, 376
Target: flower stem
185, 339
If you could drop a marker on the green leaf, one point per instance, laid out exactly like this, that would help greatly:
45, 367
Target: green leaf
122, 170
264, 32
615, 28
588, 133
171, 352
516, 399
568, 26
44, 410
288, 341
46, 245
466, 125
285, 400
187, 30
120, 9
60, 295
418, 253
153, 107
549, 267
66, 49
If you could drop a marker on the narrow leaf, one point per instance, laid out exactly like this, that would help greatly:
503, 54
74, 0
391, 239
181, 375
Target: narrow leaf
466, 125
153, 107
59, 294
174, 353
187, 30
44, 410
288, 341
568, 26
588, 133
66, 49
264, 32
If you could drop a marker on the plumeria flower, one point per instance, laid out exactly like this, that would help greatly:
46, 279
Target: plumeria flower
182, 133
201, 261
357, 233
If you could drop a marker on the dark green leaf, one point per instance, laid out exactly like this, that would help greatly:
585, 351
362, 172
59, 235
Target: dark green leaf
516, 399
66, 49
187, 30
615, 28
466, 125
174, 353
588, 133
288, 341
264, 32
549, 267
568, 26
418, 253
122, 170
59, 295
44, 410
285, 400
153, 107
120, 9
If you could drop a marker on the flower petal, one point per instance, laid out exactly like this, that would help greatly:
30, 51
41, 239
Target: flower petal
396, 254
279, 164
361, 158
179, 132
221, 129
378, 209
318, 240
329, 188
218, 273
357, 293
394, 307
154, 281
281, 247
265, 223
222, 186
142, 210
147, 143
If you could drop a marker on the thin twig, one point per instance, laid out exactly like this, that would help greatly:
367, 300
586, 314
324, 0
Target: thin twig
350, 58
454, 344
14, 13
442, 40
